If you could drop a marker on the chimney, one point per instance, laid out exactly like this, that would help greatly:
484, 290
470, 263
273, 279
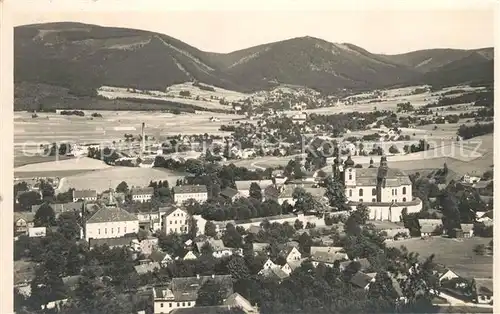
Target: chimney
143, 148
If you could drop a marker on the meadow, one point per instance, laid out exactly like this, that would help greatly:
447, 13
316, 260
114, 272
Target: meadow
456, 254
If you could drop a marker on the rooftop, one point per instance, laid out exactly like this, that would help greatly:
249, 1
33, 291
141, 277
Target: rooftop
394, 177
146, 268
190, 189
84, 193
121, 241
111, 214
229, 192
360, 279
483, 286
186, 288
142, 191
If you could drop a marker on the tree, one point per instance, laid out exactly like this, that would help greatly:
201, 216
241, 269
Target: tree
45, 216
393, 149
210, 229
231, 237
122, 187
298, 224
356, 219
451, 214
480, 249
255, 191
211, 293
335, 193
28, 199
305, 243
238, 268
68, 225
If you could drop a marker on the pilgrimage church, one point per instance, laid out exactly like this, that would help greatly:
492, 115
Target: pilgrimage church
385, 191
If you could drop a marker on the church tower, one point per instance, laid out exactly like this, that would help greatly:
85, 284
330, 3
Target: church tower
381, 177
349, 172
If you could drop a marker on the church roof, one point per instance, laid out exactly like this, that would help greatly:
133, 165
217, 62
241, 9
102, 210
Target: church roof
394, 177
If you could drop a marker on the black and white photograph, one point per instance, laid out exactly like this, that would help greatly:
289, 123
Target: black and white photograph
242, 161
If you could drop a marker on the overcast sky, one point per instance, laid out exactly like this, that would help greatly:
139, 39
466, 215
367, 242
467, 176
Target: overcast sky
391, 31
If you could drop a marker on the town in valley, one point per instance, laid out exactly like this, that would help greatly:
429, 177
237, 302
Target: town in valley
300, 176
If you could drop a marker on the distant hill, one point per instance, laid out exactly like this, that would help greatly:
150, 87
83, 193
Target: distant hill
433, 59
81, 58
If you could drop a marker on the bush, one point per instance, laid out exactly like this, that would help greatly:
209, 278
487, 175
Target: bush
393, 150
185, 93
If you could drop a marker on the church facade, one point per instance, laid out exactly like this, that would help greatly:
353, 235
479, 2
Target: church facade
385, 191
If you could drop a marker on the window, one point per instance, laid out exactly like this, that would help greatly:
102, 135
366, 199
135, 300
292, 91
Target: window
185, 222
404, 189
183, 304
374, 191
105, 230
118, 230
178, 304
171, 221
350, 192
360, 192
189, 303
395, 191
112, 230
125, 229
170, 304
175, 222
99, 231
161, 304
350, 176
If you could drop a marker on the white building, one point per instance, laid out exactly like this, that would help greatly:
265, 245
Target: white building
110, 221
141, 194
85, 195
183, 292
385, 191
183, 193
176, 220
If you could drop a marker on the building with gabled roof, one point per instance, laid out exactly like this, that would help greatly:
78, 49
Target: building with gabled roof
84, 195
229, 193
482, 290
110, 221
362, 280
243, 187
176, 220
183, 193
141, 194
182, 292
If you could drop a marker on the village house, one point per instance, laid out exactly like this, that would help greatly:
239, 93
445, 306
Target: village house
259, 247
162, 258
183, 193
363, 263
141, 194
176, 220
183, 292
327, 256
362, 280
22, 222
146, 246
291, 254
84, 195
468, 230
110, 221
289, 267
146, 266
430, 227
230, 194
219, 250
243, 187
37, 232
470, 179
385, 191
482, 290
234, 301
189, 256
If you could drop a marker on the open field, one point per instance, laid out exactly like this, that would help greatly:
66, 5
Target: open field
454, 253
29, 133
101, 180
83, 163
198, 97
